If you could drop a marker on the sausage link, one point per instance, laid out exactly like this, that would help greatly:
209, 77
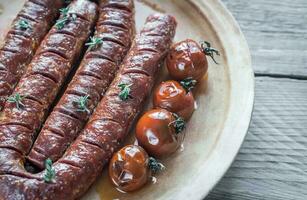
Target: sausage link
92, 79
86, 157
43, 79
21, 42
113, 117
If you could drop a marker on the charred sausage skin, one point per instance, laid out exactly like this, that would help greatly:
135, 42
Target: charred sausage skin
116, 28
86, 157
21, 42
41, 82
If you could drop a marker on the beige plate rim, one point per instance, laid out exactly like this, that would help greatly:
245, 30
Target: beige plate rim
240, 112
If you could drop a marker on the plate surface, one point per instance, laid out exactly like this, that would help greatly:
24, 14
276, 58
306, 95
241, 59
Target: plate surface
224, 102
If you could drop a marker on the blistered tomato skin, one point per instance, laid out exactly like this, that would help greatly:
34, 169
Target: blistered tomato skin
155, 132
128, 168
171, 96
186, 59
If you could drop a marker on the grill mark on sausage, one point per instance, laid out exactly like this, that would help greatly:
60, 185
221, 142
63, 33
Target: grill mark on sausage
11, 148
54, 131
56, 50
94, 55
68, 113
149, 50
46, 75
119, 25
119, 5
71, 163
38, 3
113, 40
64, 32
62, 55
136, 71
92, 74
18, 124
86, 141
33, 99
28, 17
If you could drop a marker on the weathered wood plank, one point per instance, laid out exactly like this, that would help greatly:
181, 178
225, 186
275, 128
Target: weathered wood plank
272, 163
276, 32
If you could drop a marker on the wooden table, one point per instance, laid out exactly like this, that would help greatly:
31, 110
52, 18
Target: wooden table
272, 163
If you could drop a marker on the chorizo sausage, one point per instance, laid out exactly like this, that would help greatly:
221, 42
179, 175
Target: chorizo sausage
26, 109
92, 79
86, 157
26, 33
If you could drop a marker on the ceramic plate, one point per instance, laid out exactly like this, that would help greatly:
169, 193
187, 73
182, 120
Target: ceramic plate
224, 102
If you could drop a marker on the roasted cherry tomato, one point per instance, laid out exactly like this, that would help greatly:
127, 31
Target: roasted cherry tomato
171, 96
187, 59
131, 167
158, 132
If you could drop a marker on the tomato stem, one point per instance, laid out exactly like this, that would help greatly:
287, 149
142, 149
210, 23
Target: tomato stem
188, 84
209, 51
178, 124
154, 165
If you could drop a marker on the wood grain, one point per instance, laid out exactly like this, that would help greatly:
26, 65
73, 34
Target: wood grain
277, 34
272, 163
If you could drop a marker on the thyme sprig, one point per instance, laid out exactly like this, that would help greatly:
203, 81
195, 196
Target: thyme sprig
50, 172
188, 84
154, 165
209, 51
125, 91
94, 42
66, 16
178, 124
60, 23
82, 103
16, 98
23, 24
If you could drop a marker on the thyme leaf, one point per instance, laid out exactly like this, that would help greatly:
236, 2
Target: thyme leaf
94, 42
188, 84
125, 91
66, 16
60, 23
16, 98
23, 24
64, 11
50, 172
82, 103
209, 51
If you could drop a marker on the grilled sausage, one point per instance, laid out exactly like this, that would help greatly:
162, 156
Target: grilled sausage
86, 157
92, 79
24, 113
26, 33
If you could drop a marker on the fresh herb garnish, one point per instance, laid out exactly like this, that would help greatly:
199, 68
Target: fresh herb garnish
188, 84
60, 23
64, 11
154, 165
50, 172
125, 91
66, 16
82, 103
16, 98
178, 124
94, 42
209, 51
23, 24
